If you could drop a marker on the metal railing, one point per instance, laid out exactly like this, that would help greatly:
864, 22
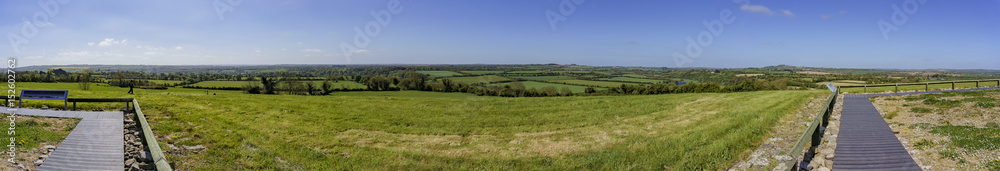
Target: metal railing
813, 134
926, 85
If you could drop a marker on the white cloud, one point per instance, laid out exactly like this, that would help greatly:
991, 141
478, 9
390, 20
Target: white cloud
111, 42
757, 8
361, 51
256, 51
284, 49
152, 53
90, 43
788, 13
179, 48
312, 50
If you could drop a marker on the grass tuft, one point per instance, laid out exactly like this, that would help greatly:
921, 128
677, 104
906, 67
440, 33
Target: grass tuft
970, 138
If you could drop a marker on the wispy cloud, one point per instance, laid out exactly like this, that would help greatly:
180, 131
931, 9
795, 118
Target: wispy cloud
312, 50
110, 42
765, 10
757, 9
787, 13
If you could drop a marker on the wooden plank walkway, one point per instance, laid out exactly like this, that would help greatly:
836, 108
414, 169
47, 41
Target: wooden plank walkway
865, 140
97, 142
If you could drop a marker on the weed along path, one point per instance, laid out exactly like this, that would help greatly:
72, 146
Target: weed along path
866, 142
97, 142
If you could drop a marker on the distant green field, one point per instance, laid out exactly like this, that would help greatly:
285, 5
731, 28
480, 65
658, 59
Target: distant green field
482, 72
636, 75
338, 84
916, 87
630, 79
479, 79
843, 82
543, 78
440, 73
161, 82
525, 72
593, 83
539, 85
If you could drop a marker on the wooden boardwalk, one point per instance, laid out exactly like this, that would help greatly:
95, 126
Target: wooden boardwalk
97, 142
865, 140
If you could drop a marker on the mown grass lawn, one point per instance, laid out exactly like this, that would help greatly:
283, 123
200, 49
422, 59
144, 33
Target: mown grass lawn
447, 131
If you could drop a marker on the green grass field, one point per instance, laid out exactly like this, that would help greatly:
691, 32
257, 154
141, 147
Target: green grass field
542, 78
482, 72
32, 130
412, 130
337, 84
593, 83
524, 72
842, 82
440, 73
539, 85
630, 79
165, 82
479, 79
916, 87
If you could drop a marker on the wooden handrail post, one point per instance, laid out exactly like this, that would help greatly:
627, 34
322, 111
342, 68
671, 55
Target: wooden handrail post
977, 83
897, 88
927, 86
866, 88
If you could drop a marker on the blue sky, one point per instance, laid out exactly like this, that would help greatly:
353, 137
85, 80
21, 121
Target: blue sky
935, 34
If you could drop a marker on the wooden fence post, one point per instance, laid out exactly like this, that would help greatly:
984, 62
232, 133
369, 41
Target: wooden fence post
897, 88
866, 88
927, 86
952, 85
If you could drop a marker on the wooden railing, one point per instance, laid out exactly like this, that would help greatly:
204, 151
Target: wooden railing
154, 148
925, 84
812, 135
